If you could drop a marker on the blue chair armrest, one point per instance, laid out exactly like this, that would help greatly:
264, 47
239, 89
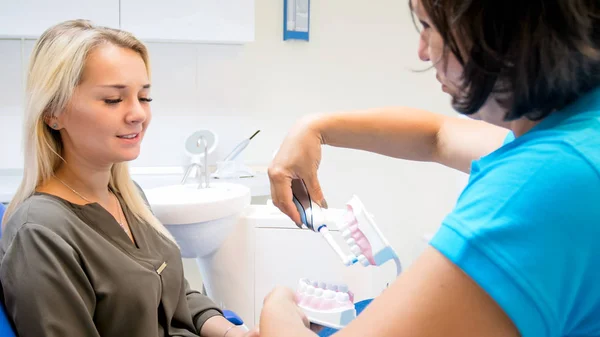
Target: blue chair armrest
6, 328
232, 317
2, 210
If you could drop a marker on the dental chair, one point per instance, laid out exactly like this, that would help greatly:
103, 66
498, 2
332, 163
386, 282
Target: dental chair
7, 330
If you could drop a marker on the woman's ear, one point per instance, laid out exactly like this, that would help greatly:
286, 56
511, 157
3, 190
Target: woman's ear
52, 122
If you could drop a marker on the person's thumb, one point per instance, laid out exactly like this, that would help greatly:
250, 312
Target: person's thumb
314, 190
252, 333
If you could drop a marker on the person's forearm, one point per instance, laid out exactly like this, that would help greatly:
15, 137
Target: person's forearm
216, 326
405, 133
273, 321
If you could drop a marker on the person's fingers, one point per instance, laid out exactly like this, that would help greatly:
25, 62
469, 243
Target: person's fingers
314, 189
281, 194
316, 328
252, 333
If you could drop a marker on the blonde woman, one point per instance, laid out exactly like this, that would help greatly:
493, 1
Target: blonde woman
82, 254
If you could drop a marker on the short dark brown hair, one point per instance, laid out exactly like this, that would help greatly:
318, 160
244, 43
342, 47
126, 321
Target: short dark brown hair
543, 54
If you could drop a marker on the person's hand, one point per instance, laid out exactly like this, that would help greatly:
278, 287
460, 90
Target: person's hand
298, 158
252, 333
283, 300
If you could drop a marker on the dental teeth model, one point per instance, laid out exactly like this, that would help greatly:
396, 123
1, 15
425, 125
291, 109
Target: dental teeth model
332, 305
363, 237
329, 305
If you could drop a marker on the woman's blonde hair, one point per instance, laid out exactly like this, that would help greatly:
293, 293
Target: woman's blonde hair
55, 69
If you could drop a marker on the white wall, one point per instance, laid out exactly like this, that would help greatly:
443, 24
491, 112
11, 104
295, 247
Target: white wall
362, 54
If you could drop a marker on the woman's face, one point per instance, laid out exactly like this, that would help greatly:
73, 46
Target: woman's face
109, 112
431, 48
449, 72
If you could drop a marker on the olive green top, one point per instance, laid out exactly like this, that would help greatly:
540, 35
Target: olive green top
71, 270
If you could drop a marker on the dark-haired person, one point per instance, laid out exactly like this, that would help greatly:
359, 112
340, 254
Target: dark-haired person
520, 253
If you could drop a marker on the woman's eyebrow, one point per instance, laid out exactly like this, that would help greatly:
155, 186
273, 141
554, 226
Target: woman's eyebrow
122, 86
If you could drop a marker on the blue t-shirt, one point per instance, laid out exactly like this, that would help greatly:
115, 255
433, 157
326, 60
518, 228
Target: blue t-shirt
527, 226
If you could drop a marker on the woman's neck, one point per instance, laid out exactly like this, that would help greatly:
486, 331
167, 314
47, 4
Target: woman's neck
86, 181
521, 126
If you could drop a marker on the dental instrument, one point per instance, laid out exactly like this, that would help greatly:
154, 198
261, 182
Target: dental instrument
239, 148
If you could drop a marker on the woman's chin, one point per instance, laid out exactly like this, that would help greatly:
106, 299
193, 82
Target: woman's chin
127, 157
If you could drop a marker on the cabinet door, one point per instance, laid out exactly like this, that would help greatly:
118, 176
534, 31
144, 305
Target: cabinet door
284, 256
30, 18
217, 21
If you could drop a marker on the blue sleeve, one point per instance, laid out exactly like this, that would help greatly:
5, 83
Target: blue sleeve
509, 138
524, 229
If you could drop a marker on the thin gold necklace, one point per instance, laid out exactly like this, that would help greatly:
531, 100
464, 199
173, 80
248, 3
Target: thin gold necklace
120, 221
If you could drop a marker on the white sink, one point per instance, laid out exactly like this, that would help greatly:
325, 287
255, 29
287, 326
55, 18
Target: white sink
199, 219
187, 204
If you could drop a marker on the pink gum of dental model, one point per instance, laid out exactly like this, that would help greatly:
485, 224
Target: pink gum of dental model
355, 238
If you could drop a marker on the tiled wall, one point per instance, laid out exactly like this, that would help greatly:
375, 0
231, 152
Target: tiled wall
361, 54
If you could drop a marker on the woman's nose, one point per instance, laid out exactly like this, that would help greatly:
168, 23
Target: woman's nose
137, 113
423, 50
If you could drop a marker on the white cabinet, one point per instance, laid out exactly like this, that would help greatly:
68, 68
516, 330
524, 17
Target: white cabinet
212, 21
284, 256
30, 18
204, 21
266, 249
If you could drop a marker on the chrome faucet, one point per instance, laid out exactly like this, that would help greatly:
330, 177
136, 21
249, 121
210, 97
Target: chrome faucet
202, 170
